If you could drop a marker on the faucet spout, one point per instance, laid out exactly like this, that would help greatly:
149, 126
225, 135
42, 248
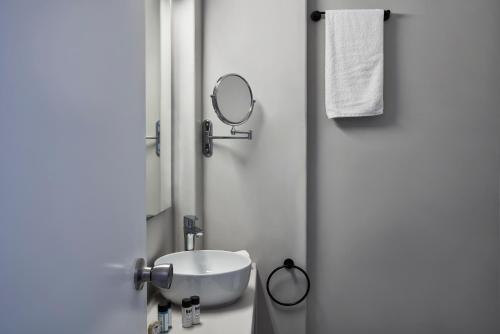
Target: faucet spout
191, 232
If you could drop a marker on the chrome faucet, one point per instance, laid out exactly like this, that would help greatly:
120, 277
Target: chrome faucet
191, 232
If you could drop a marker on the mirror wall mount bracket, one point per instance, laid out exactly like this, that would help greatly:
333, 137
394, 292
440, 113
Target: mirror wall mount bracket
208, 137
156, 138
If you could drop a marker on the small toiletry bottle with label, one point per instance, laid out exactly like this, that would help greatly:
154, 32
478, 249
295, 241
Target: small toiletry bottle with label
163, 318
195, 301
169, 304
187, 313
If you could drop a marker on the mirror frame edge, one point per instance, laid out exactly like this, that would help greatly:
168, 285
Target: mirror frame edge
215, 105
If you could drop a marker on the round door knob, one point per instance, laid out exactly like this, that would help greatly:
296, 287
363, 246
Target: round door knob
160, 276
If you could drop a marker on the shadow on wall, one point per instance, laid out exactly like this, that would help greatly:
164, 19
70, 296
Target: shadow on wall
242, 150
264, 324
391, 82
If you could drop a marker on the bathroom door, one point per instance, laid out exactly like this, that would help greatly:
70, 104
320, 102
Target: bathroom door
72, 217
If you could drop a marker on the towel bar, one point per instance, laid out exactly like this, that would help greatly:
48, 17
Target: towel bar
317, 15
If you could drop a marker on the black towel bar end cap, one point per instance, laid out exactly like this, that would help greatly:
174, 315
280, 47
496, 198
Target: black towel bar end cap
316, 15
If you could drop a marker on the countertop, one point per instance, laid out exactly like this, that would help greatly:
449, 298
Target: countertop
235, 318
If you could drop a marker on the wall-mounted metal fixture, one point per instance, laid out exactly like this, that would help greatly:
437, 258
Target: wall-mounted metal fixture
233, 95
288, 264
208, 137
191, 232
160, 275
317, 15
156, 138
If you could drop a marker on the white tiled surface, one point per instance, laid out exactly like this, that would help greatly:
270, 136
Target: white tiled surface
235, 318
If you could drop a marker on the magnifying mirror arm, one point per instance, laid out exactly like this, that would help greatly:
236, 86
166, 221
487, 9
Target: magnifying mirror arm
248, 137
248, 134
234, 133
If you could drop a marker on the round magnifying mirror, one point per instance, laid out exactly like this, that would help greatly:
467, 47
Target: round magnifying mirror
232, 99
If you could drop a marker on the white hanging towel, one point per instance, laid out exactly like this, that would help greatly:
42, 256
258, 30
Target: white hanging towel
354, 63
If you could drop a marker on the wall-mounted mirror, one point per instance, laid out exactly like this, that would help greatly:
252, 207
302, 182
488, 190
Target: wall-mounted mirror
232, 99
158, 110
233, 103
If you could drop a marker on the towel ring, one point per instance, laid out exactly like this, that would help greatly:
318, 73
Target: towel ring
288, 264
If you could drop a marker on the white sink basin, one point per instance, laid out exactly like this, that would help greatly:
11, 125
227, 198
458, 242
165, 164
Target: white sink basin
218, 277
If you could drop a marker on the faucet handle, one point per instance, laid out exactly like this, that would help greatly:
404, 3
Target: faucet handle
190, 221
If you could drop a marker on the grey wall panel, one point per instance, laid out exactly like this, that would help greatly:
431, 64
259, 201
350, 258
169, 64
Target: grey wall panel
403, 209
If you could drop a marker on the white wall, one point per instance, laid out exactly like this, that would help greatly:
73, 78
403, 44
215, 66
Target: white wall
254, 191
403, 230
158, 105
174, 49
173, 37
160, 239
186, 114
153, 106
